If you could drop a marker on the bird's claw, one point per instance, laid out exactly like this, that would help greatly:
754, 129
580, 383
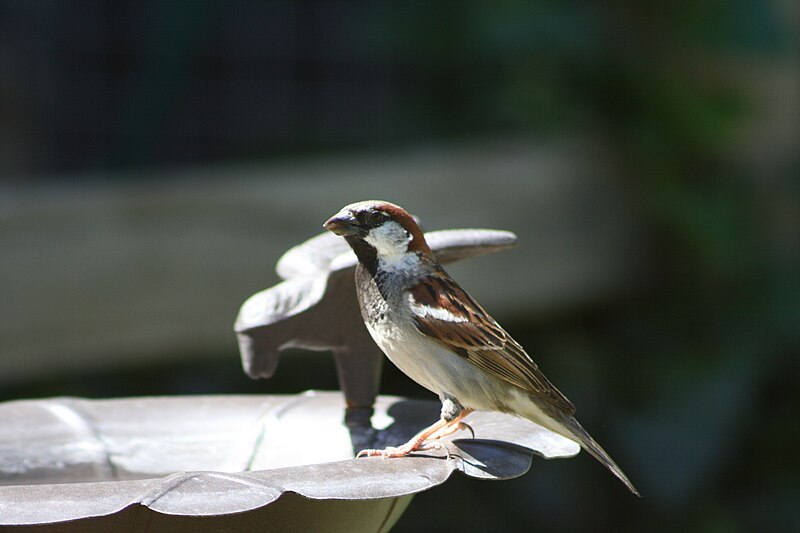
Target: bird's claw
403, 451
392, 451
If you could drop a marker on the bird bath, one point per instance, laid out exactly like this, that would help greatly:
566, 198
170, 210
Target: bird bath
255, 462
276, 463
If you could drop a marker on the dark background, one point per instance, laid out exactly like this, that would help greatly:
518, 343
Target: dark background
687, 374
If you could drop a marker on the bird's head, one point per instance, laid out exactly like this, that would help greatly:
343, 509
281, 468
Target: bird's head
379, 229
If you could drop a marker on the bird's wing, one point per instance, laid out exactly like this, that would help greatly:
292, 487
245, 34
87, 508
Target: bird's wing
445, 312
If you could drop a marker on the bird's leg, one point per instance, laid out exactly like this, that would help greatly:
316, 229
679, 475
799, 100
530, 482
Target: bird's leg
453, 413
450, 422
453, 426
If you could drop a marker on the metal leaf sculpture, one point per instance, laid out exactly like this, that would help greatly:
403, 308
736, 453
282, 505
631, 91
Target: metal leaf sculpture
315, 308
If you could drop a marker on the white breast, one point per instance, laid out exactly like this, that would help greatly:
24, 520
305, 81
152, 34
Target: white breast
432, 365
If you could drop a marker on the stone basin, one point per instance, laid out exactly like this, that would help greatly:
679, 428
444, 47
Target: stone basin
276, 463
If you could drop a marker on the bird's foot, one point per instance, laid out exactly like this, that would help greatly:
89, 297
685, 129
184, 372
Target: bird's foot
441, 428
414, 445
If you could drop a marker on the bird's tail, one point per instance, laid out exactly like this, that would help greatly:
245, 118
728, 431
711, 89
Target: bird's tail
590, 445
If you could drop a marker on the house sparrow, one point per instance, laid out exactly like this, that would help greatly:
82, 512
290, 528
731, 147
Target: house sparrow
439, 336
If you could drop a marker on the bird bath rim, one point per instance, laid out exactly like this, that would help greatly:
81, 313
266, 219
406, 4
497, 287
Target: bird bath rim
235, 480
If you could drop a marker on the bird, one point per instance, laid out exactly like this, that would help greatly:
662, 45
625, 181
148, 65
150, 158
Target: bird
439, 336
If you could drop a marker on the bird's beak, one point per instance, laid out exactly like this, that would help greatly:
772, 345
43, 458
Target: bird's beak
342, 224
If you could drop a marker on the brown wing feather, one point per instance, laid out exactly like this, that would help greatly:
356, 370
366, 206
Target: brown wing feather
481, 340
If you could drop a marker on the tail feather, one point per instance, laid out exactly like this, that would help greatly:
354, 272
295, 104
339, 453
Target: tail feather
590, 445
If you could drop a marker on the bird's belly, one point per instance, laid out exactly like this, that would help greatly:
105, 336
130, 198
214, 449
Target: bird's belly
437, 369
407, 353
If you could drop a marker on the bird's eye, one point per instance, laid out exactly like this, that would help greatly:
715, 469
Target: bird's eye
375, 217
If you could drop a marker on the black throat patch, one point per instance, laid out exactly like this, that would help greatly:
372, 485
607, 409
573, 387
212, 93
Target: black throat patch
366, 253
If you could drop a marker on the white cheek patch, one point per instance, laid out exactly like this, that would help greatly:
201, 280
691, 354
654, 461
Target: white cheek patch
390, 240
